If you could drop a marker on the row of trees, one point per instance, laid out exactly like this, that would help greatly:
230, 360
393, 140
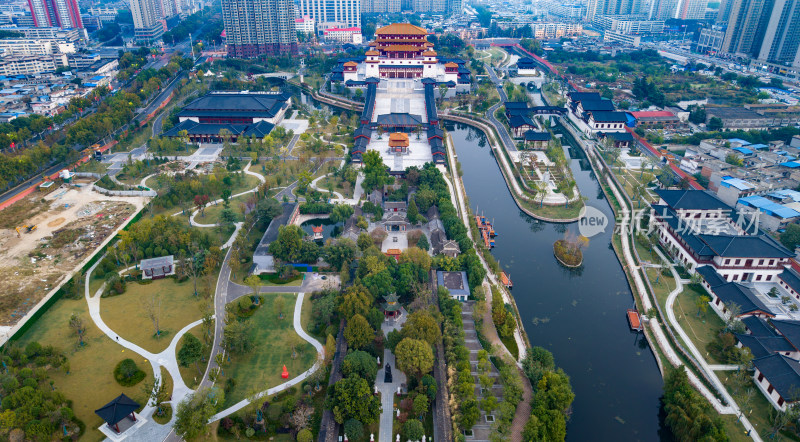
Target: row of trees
113, 112
552, 397
180, 189
464, 405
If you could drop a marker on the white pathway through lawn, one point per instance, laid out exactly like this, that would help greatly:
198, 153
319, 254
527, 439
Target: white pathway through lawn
164, 359
148, 430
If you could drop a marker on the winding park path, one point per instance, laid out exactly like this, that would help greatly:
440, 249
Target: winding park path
164, 359
152, 431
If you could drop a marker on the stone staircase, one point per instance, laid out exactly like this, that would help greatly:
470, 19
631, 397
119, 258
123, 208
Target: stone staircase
482, 429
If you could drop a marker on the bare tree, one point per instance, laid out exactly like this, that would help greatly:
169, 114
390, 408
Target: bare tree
193, 265
301, 418
152, 307
76, 323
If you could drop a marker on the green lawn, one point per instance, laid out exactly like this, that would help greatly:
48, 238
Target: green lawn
662, 285
553, 212
191, 376
248, 182
126, 314
757, 410
261, 367
90, 383
701, 329
212, 213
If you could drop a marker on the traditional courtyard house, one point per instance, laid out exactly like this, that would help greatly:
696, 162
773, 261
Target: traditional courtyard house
723, 294
620, 140
520, 124
778, 378
455, 282
603, 121
696, 227
157, 268
536, 140
396, 222
241, 114
440, 245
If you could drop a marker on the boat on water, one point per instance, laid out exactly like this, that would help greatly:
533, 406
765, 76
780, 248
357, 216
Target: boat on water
634, 320
506, 280
486, 229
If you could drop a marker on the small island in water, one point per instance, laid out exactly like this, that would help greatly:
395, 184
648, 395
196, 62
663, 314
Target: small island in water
569, 250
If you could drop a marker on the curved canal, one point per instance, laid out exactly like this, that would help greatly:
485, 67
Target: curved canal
579, 315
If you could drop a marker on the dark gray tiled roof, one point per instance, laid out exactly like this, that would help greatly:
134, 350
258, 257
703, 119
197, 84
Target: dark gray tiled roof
533, 135
597, 105
692, 199
618, 136
520, 120
782, 373
430, 103
399, 119
711, 276
580, 96
609, 117
756, 246
758, 326
515, 105
791, 279
194, 128
762, 346
259, 130
790, 330
236, 104
734, 293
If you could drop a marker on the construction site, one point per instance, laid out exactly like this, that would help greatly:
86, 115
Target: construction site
45, 237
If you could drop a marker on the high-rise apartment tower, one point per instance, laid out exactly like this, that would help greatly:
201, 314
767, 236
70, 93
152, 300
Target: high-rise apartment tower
259, 27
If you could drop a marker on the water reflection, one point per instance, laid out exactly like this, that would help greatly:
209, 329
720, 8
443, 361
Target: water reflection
578, 314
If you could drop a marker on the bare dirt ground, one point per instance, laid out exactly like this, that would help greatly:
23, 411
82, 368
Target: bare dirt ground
71, 222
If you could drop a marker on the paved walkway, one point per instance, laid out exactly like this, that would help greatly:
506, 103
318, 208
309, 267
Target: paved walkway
313, 282
166, 358
523, 414
457, 195
482, 428
388, 390
626, 225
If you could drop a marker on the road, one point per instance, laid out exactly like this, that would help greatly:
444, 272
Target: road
500, 127
154, 104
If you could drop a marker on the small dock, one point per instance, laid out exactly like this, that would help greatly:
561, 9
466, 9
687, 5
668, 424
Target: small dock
634, 320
